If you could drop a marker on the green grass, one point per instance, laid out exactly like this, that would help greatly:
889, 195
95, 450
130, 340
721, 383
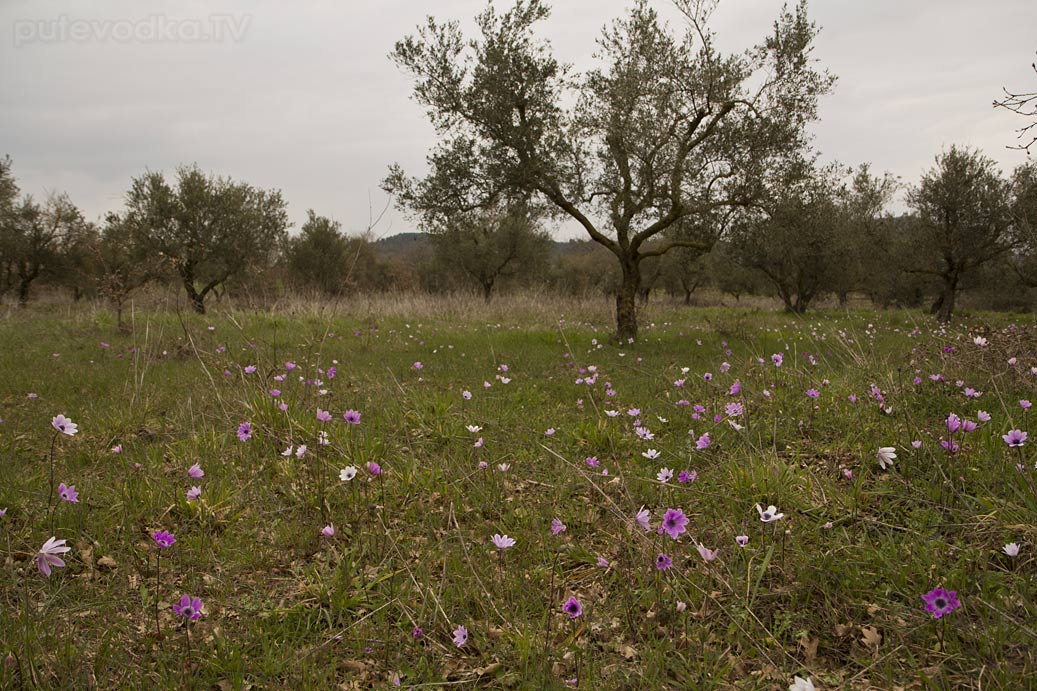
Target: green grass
287, 608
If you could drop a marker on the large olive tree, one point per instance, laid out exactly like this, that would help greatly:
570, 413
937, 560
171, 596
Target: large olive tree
665, 128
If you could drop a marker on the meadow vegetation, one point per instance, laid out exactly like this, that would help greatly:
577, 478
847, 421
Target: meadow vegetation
431, 496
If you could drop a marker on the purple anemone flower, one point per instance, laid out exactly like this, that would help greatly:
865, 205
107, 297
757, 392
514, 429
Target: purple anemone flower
189, 608
941, 602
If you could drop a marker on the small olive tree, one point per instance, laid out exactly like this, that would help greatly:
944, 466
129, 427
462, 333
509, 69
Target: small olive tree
963, 220
208, 228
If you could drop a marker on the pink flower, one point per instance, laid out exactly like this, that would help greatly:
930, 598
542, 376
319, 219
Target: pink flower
64, 425
323, 415
705, 553
674, 522
244, 431
328, 530
642, 518
68, 493
194, 493
189, 608
195, 471
557, 526
48, 555
503, 541
460, 636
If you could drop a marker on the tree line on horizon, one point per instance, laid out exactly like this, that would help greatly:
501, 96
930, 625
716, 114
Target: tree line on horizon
686, 168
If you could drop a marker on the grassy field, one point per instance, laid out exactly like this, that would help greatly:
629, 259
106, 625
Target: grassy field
546, 450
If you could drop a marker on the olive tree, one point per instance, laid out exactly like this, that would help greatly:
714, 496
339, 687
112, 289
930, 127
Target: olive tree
490, 245
793, 237
963, 220
666, 127
208, 228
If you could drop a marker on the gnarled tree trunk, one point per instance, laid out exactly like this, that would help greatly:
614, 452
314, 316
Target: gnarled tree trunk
626, 300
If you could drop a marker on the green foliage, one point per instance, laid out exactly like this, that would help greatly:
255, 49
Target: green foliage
209, 229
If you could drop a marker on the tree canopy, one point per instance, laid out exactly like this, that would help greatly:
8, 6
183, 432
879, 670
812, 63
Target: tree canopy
666, 128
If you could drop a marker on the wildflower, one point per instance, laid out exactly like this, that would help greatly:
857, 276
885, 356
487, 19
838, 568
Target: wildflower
813, 393
474, 429
777, 359
687, 476
64, 425
244, 431
374, 468
972, 393
572, 607
164, 539
968, 426
642, 518
603, 562
1015, 437
1011, 549
250, 369
289, 366
644, 433
467, 395
352, 417
194, 493
663, 562
664, 475
195, 471
48, 555
983, 416
1025, 404
417, 632
674, 522
742, 540
980, 341
549, 432
940, 602
681, 606
503, 541
117, 449
705, 553
68, 493
189, 608
479, 443
734, 409
557, 526
460, 636
702, 443
771, 514
917, 444
801, 684
651, 454
886, 456
503, 467
300, 452
328, 530
592, 461
735, 389
323, 415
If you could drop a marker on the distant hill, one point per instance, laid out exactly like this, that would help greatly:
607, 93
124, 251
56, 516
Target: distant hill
401, 244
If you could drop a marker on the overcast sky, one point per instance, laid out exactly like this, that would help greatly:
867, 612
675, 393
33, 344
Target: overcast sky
301, 96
